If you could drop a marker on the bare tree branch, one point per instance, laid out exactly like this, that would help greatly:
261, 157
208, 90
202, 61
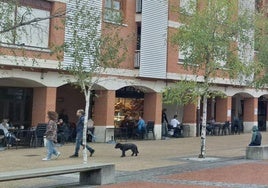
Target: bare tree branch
35, 20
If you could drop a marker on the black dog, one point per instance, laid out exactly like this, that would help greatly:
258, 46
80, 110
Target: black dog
125, 147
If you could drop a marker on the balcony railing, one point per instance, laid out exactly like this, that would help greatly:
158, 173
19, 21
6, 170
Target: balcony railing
137, 59
138, 6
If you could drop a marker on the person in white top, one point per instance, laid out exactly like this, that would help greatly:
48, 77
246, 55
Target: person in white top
11, 138
176, 125
174, 122
4, 126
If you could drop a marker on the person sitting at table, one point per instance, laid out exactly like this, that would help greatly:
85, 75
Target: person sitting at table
62, 132
11, 138
141, 128
176, 126
124, 122
210, 126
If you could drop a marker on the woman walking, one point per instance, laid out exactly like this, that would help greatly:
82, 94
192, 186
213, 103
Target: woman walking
51, 135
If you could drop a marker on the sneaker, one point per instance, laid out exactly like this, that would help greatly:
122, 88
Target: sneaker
58, 154
91, 153
73, 156
46, 159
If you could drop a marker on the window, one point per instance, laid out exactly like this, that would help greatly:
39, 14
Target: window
34, 34
184, 54
113, 11
188, 6
221, 57
258, 5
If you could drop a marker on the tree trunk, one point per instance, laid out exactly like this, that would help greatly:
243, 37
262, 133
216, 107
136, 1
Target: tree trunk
87, 97
204, 124
198, 118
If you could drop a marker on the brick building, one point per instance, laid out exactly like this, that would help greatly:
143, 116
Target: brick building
28, 91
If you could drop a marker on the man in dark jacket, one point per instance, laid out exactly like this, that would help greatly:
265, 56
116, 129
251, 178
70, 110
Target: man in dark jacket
256, 137
79, 134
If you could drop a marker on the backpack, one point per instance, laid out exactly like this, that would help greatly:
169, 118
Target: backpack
258, 138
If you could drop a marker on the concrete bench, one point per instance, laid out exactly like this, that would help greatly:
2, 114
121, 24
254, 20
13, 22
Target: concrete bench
257, 152
90, 174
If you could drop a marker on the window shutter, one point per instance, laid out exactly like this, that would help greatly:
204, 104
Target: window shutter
153, 54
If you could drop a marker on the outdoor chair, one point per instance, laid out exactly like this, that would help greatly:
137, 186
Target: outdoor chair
178, 131
39, 134
150, 129
26, 138
120, 133
3, 138
226, 128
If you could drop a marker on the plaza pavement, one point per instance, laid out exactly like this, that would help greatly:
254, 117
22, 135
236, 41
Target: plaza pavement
160, 163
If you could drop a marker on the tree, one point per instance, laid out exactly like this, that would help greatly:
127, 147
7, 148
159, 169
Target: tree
261, 44
90, 48
217, 42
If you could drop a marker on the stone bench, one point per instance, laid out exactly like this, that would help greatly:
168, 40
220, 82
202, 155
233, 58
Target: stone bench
89, 174
257, 152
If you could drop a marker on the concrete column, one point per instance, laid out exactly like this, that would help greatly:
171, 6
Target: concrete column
103, 115
223, 109
152, 111
250, 116
189, 118
44, 100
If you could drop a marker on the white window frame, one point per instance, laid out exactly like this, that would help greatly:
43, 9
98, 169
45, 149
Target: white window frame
222, 61
183, 54
113, 9
34, 35
7, 37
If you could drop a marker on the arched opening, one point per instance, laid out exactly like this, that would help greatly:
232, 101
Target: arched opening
129, 101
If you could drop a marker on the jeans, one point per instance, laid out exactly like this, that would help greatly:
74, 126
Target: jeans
164, 129
51, 149
78, 143
11, 138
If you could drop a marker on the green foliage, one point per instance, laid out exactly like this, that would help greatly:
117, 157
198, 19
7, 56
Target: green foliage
188, 92
208, 40
181, 93
261, 48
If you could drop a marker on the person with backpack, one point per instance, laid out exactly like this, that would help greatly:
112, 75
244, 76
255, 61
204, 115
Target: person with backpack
256, 137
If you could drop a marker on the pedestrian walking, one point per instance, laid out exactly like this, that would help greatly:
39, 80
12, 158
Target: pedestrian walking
79, 134
51, 135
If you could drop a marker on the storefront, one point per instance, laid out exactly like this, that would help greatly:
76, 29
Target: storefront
129, 102
16, 105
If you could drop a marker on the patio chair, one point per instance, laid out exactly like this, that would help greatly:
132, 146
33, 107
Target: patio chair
39, 134
150, 129
26, 137
3, 138
120, 133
